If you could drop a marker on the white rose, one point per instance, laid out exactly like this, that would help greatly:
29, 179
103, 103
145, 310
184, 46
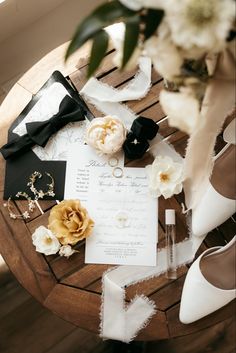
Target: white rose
182, 109
45, 241
106, 134
66, 250
165, 177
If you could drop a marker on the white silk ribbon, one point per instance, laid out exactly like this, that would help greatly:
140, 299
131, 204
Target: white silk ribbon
121, 322
107, 98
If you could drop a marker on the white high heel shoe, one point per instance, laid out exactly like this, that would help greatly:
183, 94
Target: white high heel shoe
217, 204
209, 284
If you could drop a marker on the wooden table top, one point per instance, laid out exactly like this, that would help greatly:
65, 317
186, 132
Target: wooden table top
68, 287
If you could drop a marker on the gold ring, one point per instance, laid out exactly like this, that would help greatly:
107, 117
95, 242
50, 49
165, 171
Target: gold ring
113, 161
117, 172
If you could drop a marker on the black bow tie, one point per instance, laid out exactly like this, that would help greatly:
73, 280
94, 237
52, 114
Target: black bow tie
39, 132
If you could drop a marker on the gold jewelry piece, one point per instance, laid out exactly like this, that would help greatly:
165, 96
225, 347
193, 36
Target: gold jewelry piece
24, 215
39, 194
118, 172
113, 161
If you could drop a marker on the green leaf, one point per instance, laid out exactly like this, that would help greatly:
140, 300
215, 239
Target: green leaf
101, 17
152, 20
131, 38
98, 51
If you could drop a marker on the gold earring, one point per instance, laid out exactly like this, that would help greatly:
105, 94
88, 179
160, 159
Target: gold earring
39, 194
25, 215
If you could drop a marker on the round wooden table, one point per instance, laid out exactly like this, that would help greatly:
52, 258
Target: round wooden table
68, 287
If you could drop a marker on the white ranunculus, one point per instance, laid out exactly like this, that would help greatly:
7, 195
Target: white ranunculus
200, 26
165, 177
66, 250
106, 134
45, 241
182, 109
166, 58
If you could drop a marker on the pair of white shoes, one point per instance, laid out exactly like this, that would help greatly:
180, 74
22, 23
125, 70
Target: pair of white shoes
210, 282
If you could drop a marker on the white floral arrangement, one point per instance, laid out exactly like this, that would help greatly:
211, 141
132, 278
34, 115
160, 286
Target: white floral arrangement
179, 37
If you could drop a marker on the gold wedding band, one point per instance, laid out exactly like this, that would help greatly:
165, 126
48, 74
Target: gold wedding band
117, 172
113, 161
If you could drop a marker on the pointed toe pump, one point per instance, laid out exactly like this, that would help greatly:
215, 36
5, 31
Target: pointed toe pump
209, 284
219, 200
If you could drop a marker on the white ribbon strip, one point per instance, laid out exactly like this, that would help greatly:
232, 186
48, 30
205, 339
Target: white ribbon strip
106, 98
119, 322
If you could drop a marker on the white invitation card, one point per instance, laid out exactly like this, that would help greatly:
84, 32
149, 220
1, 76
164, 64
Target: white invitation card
117, 199
82, 160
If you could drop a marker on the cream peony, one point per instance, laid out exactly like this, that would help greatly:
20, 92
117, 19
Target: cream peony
200, 26
45, 241
106, 134
67, 251
165, 177
182, 109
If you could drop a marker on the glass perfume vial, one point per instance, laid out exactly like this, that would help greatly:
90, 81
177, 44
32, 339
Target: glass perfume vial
170, 235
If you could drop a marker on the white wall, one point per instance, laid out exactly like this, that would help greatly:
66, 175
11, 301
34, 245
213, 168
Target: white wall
47, 24
16, 14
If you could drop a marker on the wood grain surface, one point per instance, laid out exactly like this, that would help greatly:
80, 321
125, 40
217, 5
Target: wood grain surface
69, 287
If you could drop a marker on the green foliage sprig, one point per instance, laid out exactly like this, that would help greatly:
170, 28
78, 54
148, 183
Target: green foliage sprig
144, 22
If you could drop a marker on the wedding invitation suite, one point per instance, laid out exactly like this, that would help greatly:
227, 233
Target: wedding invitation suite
125, 216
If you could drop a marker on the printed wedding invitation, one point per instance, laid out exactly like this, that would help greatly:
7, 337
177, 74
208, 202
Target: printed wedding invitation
82, 160
117, 199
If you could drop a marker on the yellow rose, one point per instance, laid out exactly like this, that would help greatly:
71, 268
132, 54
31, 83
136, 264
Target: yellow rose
70, 222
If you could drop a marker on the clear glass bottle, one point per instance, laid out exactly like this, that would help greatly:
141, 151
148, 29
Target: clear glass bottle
170, 235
